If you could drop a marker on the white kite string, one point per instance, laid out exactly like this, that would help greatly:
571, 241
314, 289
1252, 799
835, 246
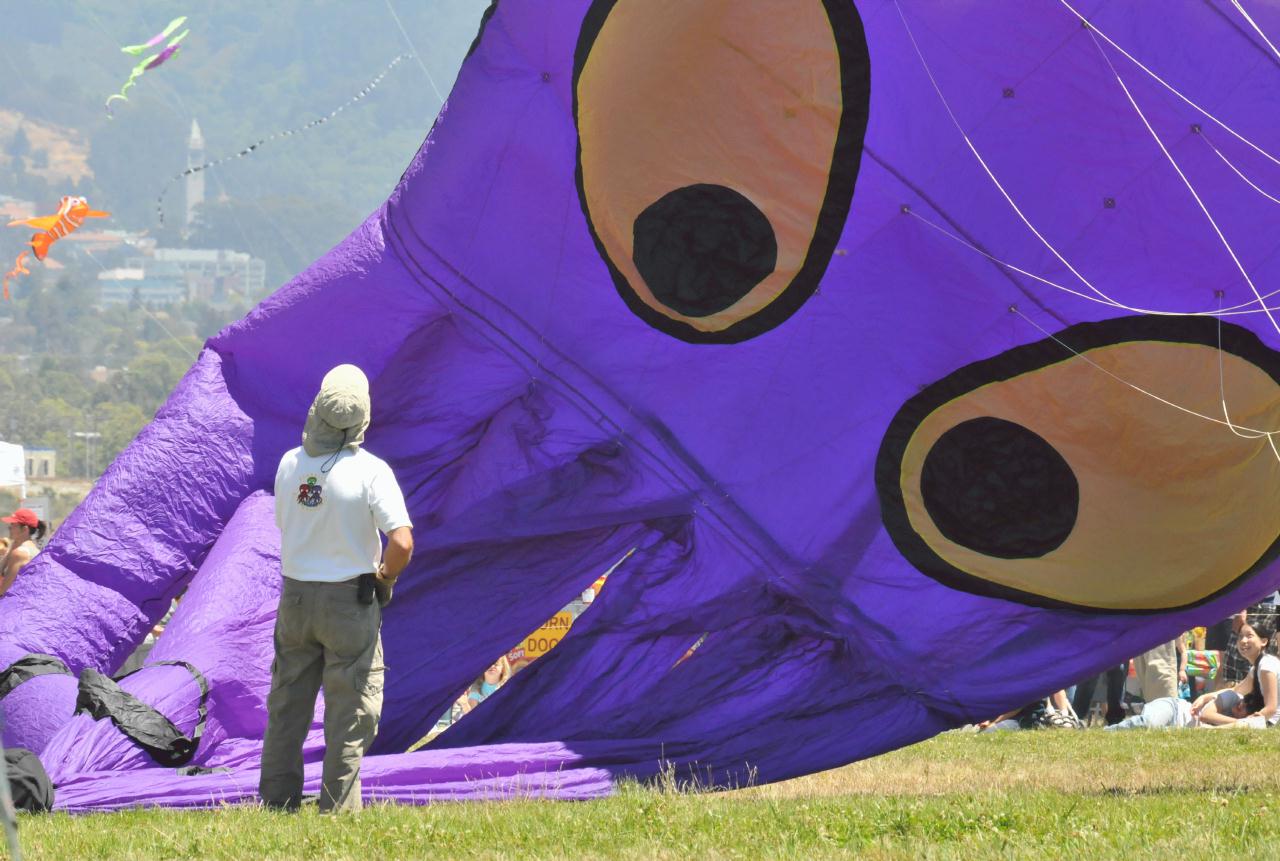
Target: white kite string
142, 306
1222, 392
283, 134
1239, 430
1221, 124
1237, 170
1199, 202
1254, 25
416, 55
1105, 299
973, 149
1230, 311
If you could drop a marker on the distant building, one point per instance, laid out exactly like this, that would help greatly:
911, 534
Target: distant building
170, 275
195, 181
122, 285
42, 463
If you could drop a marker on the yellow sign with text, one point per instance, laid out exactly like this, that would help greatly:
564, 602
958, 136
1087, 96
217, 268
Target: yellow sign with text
542, 640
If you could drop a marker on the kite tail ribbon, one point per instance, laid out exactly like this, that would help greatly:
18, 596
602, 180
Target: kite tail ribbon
133, 76
149, 63
165, 54
19, 268
157, 38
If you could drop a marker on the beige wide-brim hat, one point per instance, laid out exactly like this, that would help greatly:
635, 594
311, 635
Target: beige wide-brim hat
340, 413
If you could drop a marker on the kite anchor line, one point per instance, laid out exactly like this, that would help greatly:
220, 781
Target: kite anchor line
253, 147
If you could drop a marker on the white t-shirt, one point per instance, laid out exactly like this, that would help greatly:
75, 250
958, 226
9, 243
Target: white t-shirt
329, 521
1270, 664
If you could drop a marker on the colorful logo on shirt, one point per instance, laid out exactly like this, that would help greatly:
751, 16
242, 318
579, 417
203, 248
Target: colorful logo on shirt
309, 493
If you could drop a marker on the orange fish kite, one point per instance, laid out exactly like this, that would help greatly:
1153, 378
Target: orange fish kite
71, 214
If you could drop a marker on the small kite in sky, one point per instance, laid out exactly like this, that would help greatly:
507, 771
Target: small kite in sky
70, 215
152, 61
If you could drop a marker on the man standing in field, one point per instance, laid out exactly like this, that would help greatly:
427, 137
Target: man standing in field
332, 498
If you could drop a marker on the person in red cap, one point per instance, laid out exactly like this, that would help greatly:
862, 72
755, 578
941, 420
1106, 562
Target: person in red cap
24, 530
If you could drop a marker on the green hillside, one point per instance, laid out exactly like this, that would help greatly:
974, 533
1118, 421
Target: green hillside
247, 69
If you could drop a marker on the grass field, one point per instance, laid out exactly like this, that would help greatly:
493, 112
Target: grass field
1044, 795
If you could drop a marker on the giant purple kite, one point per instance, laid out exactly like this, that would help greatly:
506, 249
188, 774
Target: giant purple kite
924, 353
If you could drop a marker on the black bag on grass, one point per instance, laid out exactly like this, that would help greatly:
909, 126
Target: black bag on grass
28, 782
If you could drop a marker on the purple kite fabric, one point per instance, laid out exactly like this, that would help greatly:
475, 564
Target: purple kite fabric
920, 352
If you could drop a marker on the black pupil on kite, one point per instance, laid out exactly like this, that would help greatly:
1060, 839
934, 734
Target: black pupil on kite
703, 247
1000, 489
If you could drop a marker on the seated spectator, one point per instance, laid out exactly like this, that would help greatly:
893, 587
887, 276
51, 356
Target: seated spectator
25, 529
482, 688
1052, 712
1175, 712
1258, 688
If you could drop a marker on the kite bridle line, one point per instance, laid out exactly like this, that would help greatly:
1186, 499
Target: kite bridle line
1261, 306
1235, 169
1239, 430
1170, 87
1187, 182
1260, 301
991, 174
1242, 309
1254, 25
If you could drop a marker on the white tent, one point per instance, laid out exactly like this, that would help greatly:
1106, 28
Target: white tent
13, 467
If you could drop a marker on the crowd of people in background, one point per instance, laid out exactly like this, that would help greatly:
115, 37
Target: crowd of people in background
1225, 676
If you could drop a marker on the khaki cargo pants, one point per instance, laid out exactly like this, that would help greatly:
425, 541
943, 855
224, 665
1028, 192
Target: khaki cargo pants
324, 636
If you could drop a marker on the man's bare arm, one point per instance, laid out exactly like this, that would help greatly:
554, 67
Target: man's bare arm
399, 551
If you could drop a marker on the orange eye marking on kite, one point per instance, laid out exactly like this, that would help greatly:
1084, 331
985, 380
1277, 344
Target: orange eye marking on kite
1036, 477
717, 154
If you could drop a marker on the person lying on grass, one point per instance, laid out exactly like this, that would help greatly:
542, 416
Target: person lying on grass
1257, 689
1175, 712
